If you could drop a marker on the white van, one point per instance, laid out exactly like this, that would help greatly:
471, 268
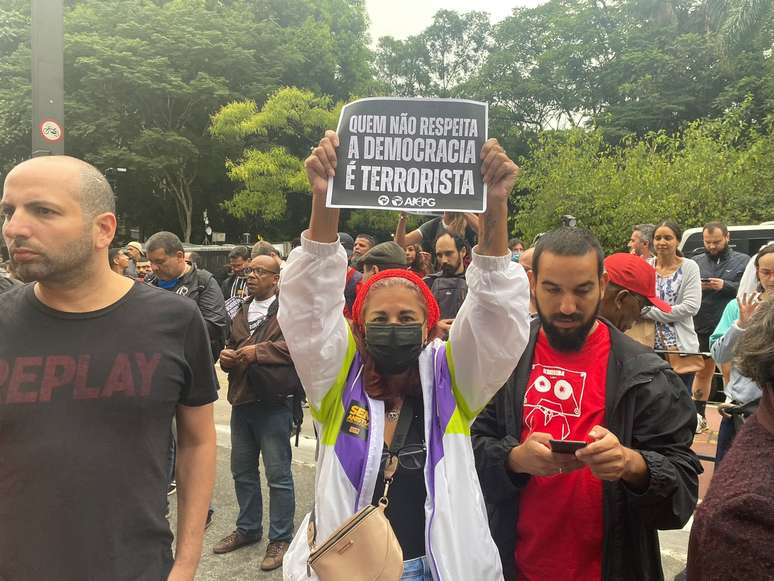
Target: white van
746, 239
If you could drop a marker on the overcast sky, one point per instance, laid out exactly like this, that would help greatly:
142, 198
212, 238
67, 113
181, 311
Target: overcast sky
403, 18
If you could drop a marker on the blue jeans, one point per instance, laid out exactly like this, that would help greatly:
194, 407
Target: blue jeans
417, 569
263, 428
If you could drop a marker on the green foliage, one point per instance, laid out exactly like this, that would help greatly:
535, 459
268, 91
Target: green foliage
143, 77
285, 128
15, 90
717, 169
620, 111
437, 62
379, 223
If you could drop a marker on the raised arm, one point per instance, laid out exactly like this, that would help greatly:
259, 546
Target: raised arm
312, 293
491, 329
403, 239
473, 221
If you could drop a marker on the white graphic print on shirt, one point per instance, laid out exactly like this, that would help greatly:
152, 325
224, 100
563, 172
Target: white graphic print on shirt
553, 400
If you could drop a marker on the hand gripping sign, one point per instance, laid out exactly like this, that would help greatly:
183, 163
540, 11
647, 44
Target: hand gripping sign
410, 154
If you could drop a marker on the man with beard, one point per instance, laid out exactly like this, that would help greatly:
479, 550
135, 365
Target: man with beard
591, 510
262, 388
449, 285
721, 271
93, 367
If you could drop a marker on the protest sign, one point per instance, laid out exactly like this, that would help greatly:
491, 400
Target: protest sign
410, 154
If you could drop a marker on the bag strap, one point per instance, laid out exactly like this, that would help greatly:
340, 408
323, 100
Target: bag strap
398, 440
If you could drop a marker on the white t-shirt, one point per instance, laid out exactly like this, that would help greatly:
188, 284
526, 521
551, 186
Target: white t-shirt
257, 312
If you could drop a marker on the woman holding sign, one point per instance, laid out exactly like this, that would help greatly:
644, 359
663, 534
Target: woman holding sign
382, 395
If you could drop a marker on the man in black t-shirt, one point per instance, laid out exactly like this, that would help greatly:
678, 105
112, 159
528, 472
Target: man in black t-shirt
89, 383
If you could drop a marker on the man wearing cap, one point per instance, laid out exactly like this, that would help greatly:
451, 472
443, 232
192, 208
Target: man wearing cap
593, 511
381, 257
631, 286
136, 254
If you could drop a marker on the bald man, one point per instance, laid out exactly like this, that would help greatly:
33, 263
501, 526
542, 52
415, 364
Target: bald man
97, 368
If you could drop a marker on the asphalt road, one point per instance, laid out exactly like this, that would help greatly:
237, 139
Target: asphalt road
244, 564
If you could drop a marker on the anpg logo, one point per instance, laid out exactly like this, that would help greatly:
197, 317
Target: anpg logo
383, 200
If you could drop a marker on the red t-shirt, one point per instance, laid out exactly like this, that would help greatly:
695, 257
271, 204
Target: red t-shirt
560, 526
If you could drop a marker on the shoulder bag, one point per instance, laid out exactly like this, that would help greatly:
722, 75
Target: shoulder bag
364, 547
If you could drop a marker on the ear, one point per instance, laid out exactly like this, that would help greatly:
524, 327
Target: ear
620, 297
604, 279
532, 281
104, 228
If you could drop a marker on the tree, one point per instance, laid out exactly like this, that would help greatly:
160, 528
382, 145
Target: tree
437, 62
15, 89
270, 170
143, 77
546, 62
714, 169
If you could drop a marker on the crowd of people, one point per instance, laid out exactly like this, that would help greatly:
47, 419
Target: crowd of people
513, 411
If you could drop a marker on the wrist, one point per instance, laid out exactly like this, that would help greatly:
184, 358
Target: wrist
512, 461
635, 472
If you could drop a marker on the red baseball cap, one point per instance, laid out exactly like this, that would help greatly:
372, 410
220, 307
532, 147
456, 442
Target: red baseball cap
635, 275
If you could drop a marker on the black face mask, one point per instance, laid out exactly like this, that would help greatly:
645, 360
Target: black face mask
394, 347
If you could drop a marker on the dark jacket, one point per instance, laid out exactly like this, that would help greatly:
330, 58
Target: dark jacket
199, 285
648, 408
730, 267
273, 377
234, 287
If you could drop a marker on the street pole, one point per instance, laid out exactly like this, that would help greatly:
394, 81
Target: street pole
47, 77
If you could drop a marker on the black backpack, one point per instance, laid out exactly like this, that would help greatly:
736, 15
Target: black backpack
450, 292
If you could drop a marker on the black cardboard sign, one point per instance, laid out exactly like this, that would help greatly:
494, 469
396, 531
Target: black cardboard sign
410, 154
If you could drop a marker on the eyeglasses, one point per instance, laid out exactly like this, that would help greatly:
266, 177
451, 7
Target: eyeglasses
411, 457
765, 273
257, 271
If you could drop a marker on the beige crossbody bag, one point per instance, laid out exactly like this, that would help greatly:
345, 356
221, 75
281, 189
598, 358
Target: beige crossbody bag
364, 547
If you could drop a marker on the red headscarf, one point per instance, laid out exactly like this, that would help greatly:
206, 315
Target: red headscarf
390, 387
433, 311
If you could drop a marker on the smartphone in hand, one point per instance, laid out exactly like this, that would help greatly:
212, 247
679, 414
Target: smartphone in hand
566, 446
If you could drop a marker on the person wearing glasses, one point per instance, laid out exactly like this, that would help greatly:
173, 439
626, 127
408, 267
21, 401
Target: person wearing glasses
262, 388
361, 380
